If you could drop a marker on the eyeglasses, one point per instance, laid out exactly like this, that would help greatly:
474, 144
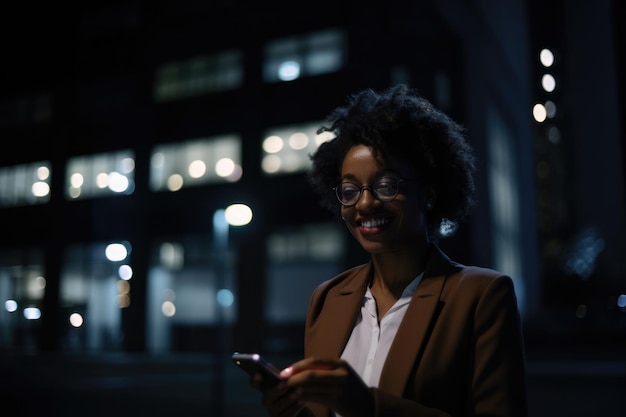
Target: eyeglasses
384, 190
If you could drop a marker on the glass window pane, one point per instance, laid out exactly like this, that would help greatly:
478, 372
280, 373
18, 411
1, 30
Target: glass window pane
286, 149
191, 285
298, 261
311, 54
196, 162
22, 289
95, 286
199, 75
100, 175
25, 184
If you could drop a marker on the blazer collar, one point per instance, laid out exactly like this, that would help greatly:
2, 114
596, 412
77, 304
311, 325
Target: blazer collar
412, 333
330, 335
341, 308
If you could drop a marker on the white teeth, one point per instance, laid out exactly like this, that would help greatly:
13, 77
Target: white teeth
374, 222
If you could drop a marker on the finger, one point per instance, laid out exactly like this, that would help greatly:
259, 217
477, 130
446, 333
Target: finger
311, 363
256, 380
282, 402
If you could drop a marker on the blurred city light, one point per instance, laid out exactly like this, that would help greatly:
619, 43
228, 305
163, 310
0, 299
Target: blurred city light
125, 272
548, 82
539, 112
546, 57
238, 214
32, 313
225, 297
10, 305
76, 320
168, 308
116, 252
288, 71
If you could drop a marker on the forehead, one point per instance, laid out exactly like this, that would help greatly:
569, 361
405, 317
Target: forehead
361, 160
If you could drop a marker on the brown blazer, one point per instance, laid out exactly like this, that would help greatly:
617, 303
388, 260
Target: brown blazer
459, 349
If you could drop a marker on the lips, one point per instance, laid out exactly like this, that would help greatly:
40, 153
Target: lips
373, 222
372, 226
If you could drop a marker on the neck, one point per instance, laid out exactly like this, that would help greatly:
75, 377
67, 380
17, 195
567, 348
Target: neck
394, 271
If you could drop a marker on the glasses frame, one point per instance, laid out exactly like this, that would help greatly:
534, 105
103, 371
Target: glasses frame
337, 190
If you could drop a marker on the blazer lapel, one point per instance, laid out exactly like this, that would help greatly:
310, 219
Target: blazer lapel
342, 305
412, 333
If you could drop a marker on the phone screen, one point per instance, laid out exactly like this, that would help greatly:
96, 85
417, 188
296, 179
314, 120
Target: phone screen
254, 363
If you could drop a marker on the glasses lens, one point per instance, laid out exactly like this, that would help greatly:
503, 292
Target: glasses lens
348, 193
386, 190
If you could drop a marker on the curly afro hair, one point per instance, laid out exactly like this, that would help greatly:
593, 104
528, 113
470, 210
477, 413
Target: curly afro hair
398, 121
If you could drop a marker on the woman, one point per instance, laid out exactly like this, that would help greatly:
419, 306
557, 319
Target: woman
409, 333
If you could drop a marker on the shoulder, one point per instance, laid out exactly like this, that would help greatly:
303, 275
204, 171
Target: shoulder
473, 283
478, 274
346, 285
347, 281
456, 273
481, 277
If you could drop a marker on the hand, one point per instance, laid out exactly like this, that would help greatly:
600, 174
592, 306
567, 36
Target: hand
279, 400
331, 382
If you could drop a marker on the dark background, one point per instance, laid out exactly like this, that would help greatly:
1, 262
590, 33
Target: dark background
576, 366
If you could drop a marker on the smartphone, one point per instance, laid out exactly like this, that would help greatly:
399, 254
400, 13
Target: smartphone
254, 363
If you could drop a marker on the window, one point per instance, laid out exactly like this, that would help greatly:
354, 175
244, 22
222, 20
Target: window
196, 162
286, 149
95, 286
298, 261
313, 54
100, 175
22, 288
25, 184
199, 75
191, 285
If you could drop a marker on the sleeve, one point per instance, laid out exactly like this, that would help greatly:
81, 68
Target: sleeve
499, 376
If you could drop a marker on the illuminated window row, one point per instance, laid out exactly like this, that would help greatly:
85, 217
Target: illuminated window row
286, 149
184, 284
25, 184
312, 54
100, 175
197, 162
199, 75
286, 59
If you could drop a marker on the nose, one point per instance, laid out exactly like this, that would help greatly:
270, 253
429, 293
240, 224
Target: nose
366, 198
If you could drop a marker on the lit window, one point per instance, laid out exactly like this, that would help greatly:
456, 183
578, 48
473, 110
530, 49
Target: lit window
25, 184
197, 162
92, 295
199, 75
313, 54
308, 252
100, 175
189, 283
286, 149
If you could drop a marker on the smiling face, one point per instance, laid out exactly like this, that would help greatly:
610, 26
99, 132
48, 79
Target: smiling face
384, 227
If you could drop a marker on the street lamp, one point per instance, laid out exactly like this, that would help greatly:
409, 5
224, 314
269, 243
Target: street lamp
233, 215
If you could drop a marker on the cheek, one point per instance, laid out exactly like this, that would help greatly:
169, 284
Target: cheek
345, 212
414, 218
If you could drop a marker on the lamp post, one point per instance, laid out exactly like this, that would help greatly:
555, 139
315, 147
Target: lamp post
233, 215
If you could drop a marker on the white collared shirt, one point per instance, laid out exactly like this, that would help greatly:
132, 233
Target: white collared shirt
369, 342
